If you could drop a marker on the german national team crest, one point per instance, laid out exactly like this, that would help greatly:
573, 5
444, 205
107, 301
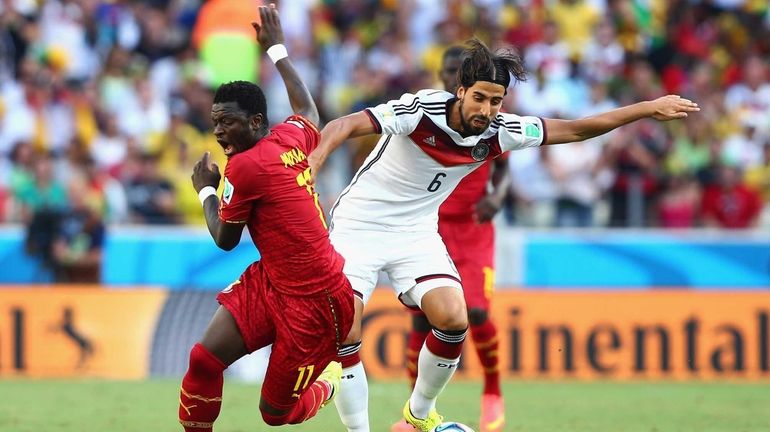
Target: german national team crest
480, 151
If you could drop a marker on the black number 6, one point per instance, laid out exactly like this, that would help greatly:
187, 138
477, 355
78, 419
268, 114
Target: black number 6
436, 183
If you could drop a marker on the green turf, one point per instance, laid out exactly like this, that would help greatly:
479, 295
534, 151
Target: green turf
99, 406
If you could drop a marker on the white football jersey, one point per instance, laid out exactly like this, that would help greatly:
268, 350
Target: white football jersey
419, 160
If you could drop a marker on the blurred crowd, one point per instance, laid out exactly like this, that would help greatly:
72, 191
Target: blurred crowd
104, 105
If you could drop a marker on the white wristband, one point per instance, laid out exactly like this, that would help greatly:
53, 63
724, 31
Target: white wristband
205, 193
277, 52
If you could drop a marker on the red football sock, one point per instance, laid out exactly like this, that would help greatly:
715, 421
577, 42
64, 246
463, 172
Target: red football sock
348, 355
446, 344
308, 405
416, 340
486, 343
200, 398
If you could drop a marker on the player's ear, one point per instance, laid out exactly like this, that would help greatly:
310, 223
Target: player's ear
257, 121
460, 92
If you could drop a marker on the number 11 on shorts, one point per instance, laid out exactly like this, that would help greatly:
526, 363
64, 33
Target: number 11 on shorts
302, 370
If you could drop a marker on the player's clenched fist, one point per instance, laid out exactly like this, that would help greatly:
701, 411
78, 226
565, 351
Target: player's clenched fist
672, 107
205, 173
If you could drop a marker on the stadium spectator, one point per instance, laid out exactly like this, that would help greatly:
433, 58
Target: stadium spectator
758, 178
602, 57
151, 197
549, 55
296, 296
575, 19
679, 204
533, 189
20, 174
79, 239
729, 203
751, 96
41, 191
634, 155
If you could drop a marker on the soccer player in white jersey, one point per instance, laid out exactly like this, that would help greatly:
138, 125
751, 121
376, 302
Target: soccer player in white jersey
386, 219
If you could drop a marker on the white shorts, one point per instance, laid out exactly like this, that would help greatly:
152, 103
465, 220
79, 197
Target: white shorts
415, 262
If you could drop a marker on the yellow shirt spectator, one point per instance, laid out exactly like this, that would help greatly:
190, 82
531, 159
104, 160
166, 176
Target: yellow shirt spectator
576, 20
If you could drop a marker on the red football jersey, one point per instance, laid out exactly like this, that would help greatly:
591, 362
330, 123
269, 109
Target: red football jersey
471, 189
268, 188
736, 208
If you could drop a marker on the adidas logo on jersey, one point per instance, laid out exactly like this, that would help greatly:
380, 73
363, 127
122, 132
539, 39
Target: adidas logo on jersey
431, 141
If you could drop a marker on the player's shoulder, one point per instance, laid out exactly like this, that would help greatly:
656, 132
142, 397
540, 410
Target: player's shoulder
510, 121
429, 101
433, 95
296, 123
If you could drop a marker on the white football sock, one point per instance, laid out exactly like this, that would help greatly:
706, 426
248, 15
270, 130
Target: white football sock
353, 400
433, 374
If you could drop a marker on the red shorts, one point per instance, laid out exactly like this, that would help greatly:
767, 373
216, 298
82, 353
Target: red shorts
472, 248
306, 332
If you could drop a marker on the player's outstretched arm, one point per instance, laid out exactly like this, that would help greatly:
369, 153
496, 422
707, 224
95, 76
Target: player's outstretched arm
665, 108
270, 36
205, 180
335, 133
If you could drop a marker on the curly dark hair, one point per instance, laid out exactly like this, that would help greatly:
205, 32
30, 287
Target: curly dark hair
481, 64
247, 95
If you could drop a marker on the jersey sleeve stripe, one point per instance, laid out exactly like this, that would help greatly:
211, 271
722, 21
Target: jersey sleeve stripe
397, 106
417, 102
435, 110
373, 119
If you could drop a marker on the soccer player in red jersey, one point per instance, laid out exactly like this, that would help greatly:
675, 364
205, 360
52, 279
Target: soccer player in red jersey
465, 225
296, 297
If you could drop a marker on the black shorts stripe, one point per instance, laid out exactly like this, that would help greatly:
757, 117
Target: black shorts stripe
408, 306
435, 276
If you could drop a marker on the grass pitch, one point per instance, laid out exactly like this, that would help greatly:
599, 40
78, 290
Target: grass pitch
99, 406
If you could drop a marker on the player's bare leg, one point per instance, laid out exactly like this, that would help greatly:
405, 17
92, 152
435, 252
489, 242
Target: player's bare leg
200, 397
445, 309
353, 401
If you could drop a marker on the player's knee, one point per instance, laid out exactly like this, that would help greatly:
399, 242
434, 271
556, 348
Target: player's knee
354, 336
272, 416
273, 420
477, 316
452, 317
420, 323
203, 363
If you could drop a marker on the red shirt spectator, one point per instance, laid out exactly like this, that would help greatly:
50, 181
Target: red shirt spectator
729, 203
